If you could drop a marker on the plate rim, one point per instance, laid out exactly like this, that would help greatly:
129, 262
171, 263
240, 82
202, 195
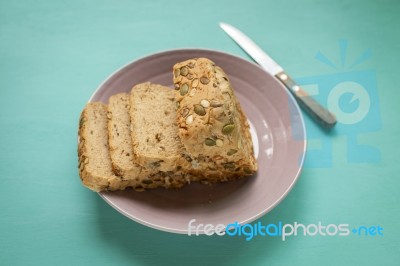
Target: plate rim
250, 219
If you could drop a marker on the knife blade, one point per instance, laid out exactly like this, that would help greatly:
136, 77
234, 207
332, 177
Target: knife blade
319, 113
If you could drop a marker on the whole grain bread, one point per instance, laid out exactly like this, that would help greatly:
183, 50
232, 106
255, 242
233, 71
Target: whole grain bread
212, 126
122, 153
155, 139
95, 166
93, 152
159, 137
120, 141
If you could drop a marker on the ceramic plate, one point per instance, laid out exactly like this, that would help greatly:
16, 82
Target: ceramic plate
278, 134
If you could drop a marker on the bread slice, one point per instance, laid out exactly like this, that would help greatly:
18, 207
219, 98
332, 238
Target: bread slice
120, 141
122, 154
212, 126
155, 139
94, 160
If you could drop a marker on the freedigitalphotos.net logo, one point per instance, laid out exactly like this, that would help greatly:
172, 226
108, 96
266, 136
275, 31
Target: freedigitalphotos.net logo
283, 231
351, 94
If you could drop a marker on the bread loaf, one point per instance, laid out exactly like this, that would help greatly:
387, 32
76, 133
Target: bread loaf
159, 137
212, 126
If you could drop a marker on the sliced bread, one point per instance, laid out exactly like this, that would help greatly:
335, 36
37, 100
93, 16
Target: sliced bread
95, 166
155, 139
121, 149
94, 160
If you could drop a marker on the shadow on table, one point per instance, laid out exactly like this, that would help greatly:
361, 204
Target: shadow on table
147, 246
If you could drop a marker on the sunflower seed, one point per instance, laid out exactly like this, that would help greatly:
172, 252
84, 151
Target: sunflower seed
220, 142
215, 103
192, 92
185, 112
195, 83
205, 103
189, 119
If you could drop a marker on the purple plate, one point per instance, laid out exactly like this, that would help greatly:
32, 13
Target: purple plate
278, 134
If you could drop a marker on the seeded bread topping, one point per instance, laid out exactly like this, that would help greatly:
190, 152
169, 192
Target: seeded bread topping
212, 125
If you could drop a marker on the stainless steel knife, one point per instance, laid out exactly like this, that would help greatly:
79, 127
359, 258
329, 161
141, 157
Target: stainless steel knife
312, 107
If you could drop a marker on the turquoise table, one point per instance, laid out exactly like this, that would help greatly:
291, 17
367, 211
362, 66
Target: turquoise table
55, 53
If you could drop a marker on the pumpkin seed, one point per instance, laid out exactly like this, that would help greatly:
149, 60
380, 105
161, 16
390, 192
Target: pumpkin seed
147, 181
184, 89
198, 109
231, 152
204, 80
227, 129
176, 72
184, 71
155, 164
81, 122
229, 166
210, 142
247, 170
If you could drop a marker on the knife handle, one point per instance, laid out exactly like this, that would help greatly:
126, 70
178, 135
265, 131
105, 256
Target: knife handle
311, 106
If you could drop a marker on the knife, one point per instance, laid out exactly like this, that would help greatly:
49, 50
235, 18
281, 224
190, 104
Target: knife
312, 107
